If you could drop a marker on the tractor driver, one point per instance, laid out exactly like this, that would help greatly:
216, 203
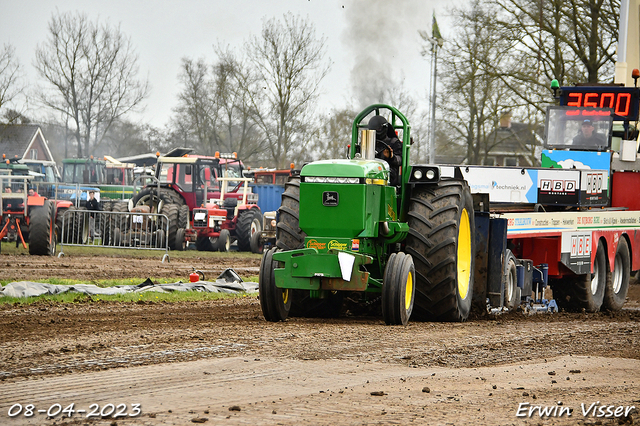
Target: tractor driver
588, 137
388, 146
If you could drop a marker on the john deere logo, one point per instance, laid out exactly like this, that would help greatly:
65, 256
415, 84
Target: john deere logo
330, 198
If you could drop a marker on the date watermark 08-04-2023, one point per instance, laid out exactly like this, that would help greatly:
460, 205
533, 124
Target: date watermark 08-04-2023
594, 409
94, 411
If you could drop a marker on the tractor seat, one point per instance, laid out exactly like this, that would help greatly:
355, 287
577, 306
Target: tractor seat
229, 205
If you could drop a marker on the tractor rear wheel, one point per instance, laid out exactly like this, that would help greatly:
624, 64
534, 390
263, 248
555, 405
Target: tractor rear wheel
398, 290
115, 221
152, 197
275, 302
171, 211
289, 236
42, 238
248, 224
179, 242
60, 222
183, 216
81, 226
442, 244
618, 281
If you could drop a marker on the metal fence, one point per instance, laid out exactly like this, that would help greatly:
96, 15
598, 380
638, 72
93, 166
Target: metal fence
77, 193
126, 230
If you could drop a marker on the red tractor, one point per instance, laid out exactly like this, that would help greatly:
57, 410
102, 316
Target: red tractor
25, 215
192, 191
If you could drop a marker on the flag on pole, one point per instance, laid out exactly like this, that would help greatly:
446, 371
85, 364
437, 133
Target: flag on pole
435, 31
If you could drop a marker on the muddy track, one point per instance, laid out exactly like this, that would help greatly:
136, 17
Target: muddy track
97, 267
199, 358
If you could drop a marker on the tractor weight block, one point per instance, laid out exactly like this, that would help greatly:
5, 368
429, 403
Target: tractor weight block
307, 269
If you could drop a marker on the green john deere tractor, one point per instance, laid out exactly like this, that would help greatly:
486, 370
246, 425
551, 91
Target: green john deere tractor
342, 229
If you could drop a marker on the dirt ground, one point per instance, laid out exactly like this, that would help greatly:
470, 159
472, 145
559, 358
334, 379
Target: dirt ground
220, 362
23, 267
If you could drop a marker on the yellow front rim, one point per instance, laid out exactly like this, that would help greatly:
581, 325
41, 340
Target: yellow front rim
464, 255
408, 291
285, 295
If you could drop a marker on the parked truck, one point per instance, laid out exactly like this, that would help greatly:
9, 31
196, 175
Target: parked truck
450, 238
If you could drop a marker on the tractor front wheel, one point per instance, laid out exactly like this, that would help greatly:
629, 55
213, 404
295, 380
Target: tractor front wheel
248, 224
398, 290
256, 244
224, 241
275, 302
442, 244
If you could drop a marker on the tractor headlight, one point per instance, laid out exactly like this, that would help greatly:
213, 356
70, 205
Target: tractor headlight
424, 174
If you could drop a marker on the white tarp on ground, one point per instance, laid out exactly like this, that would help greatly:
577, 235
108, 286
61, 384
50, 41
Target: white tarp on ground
227, 282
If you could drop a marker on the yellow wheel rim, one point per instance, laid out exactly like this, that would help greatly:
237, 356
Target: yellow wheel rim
464, 255
285, 295
408, 291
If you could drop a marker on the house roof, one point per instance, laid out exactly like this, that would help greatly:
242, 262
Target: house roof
516, 139
16, 139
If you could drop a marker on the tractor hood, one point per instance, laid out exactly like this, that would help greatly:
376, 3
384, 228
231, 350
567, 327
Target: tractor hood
345, 199
366, 169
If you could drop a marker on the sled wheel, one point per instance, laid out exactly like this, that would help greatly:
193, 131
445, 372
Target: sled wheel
510, 279
618, 281
584, 291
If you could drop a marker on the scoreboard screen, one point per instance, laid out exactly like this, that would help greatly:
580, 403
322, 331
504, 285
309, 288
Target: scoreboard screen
622, 100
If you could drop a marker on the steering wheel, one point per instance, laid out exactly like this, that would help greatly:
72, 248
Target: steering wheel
380, 147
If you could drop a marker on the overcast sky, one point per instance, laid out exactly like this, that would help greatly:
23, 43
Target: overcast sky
163, 32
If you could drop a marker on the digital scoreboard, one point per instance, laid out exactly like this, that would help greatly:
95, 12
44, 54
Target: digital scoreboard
622, 100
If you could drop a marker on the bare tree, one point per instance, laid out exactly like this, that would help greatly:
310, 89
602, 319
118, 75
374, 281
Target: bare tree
334, 135
289, 61
91, 71
127, 138
473, 96
572, 41
10, 76
236, 92
214, 111
196, 108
